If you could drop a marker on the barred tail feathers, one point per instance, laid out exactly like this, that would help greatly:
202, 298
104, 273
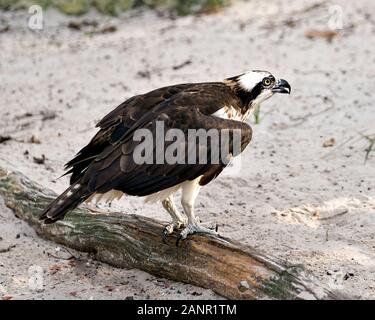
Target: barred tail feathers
67, 201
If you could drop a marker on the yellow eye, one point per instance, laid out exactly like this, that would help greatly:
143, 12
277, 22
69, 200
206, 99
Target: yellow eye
267, 82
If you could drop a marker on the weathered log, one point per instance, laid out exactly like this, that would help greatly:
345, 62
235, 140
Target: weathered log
227, 267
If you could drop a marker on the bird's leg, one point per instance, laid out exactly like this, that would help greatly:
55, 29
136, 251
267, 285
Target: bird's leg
190, 192
178, 219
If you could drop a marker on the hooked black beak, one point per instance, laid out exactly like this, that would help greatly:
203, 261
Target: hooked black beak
282, 86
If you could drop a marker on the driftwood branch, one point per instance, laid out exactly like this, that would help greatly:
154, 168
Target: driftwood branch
227, 267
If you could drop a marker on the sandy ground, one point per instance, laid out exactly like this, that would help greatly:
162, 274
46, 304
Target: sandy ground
57, 83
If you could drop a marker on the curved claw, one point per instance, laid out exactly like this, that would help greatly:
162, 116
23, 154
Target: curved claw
178, 240
165, 235
170, 228
216, 228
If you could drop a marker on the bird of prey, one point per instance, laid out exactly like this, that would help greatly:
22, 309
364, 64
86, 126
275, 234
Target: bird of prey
106, 167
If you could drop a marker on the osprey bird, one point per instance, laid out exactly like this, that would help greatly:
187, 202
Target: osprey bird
106, 168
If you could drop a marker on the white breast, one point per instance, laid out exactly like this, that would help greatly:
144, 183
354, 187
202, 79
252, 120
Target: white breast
230, 113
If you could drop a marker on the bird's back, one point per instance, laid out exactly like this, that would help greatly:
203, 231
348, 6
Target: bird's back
208, 96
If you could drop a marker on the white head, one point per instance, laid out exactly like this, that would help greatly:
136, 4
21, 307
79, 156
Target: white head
257, 86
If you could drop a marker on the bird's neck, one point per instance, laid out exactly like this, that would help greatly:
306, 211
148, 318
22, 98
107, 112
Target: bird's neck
247, 98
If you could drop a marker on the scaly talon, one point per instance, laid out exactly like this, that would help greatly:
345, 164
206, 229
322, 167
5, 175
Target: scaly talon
193, 229
171, 227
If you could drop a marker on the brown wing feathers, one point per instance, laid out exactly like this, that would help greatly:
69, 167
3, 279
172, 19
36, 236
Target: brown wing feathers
107, 162
114, 125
